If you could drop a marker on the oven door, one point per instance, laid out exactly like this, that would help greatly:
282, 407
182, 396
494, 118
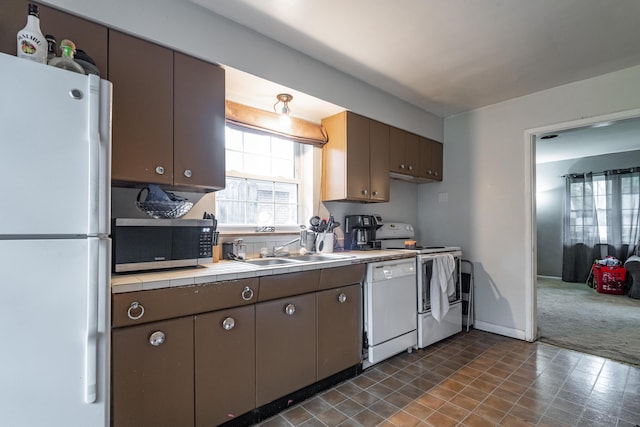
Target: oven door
425, 273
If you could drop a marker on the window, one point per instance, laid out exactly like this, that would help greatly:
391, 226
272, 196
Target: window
264, 181
604, 201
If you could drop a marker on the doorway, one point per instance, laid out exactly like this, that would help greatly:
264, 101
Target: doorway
541, 195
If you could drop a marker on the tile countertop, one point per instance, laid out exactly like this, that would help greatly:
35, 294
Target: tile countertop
232, 270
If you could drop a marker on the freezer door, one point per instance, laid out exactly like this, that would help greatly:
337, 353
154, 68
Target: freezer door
54, 317
55, 151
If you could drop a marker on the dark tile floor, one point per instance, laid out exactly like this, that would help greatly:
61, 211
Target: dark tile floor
479, 379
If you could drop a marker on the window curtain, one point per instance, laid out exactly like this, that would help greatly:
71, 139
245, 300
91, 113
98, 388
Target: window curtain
595, 219
623, 212
580, 228
297, 130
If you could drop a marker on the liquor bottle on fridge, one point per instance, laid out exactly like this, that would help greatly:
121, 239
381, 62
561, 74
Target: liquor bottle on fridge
31, 43
51, 48
55, 266
66, 62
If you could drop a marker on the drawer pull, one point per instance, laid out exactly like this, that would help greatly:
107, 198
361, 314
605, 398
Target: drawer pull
159, 170
342, 298
188, 173
135, 306
289, 309
157, 338
247, 293
228, 323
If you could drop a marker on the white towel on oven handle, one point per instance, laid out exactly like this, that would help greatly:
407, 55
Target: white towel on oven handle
442, 284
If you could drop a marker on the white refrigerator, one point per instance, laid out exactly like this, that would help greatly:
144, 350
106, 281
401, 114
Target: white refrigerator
55, 165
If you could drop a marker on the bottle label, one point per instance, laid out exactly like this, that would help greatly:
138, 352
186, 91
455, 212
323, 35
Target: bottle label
31, 46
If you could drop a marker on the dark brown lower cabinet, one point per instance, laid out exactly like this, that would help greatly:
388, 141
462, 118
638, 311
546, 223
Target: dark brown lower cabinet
224, 365
285, 346
152, 374
339, 329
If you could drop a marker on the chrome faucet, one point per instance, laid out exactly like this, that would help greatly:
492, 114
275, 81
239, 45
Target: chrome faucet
280, 250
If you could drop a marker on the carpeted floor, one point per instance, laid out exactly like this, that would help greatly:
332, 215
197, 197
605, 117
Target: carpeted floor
575, 316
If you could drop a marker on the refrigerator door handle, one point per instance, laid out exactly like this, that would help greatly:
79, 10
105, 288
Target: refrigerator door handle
99, 136
106, 95
91, 350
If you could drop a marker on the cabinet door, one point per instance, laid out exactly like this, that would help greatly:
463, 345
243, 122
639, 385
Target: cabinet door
358, 187
437, 160
285, 346
224, 365
339, 329
152, 385
430, 159
88, 36
379, 161
12, 19
425, 170
199, 123
412, 154
142, 77
397, 150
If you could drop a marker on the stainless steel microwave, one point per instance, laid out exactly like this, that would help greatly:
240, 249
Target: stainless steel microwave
151, 244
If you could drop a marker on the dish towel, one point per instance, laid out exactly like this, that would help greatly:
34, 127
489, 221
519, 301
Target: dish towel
442, 285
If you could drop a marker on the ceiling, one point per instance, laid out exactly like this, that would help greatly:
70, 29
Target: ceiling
446, 56
602, 138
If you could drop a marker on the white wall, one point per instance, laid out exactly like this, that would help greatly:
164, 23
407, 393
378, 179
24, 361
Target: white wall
486, 181
187, 27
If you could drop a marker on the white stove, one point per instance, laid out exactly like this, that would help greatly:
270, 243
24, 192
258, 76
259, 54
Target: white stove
394, 235
439, 315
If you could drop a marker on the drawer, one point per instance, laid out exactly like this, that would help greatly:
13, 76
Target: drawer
283, 285
134, 308
342, 276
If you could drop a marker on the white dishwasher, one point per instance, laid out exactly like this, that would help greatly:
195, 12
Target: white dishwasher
390, 309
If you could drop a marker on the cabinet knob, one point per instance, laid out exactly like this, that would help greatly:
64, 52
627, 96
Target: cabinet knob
365, 192
410, 167
188, 173
289, 309
136, 311
430, 172
402, 166
342, 298
159, 170
435, 173
157, 338
247, 293
228, 323
375, 193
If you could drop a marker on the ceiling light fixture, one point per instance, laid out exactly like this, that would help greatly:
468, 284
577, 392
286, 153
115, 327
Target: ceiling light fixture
285, 98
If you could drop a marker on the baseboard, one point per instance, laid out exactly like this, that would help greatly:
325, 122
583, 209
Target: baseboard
500, 330
549, 277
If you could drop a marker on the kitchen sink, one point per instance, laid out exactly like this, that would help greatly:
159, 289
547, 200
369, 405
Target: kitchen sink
319, 257
268, 262
295, 259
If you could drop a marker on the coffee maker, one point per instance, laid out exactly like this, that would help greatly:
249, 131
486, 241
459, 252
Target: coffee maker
360, 232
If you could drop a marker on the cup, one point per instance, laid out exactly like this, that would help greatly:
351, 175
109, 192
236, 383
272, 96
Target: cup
327, 246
